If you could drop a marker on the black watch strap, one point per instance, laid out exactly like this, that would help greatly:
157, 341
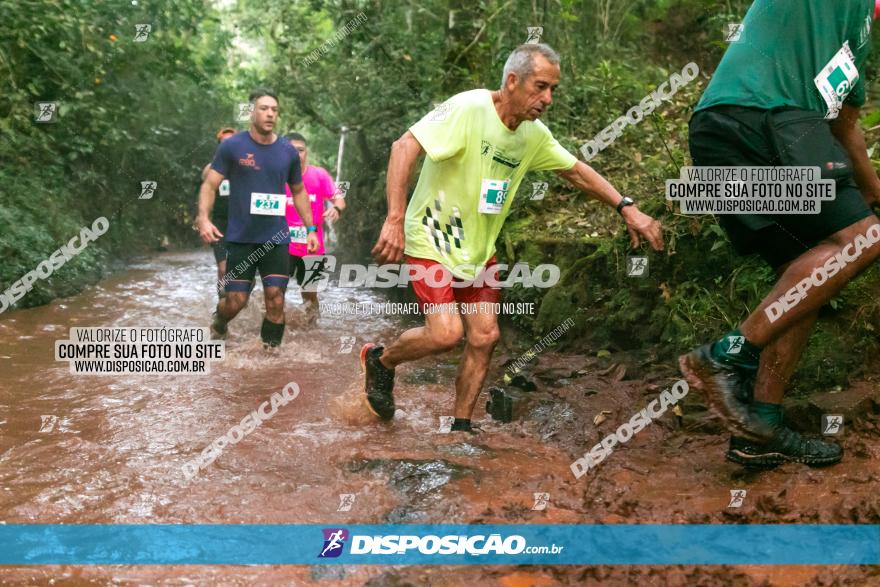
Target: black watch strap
623, 203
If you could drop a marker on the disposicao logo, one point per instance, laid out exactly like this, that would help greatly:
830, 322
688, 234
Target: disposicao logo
334, 540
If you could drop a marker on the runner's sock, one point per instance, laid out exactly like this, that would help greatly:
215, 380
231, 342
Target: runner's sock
769, 413
463, 424
271, 333
734, 349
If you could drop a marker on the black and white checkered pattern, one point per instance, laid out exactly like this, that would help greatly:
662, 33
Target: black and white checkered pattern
443, 235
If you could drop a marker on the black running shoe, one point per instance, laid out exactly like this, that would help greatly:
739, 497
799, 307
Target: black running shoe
724, 387
218, 326
786, 446
378, 382
468, 427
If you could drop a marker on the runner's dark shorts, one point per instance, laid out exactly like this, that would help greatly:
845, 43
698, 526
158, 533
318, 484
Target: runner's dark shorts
243, 260
736, 136
219, 249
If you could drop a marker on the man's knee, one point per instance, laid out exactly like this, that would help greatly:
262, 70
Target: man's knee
234, 301
444, 336
484, 338
274, 298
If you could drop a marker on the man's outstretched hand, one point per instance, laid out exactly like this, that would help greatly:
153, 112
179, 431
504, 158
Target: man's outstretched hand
639, 224
389, 247
207, 231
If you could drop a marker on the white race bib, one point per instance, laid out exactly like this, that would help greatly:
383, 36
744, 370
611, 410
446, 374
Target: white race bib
224, 187
493, 194
837, 79
268, 204
313, 198
299, 234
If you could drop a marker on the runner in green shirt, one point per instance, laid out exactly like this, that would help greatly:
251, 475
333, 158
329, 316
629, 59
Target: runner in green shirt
479, 146
787, 93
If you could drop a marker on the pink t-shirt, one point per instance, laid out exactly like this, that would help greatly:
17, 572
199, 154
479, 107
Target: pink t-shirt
319, 185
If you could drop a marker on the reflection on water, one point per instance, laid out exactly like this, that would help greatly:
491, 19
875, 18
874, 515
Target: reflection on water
116, 444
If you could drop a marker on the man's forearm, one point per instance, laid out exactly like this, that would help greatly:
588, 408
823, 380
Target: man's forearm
206, 200
400, 169
589, 181
301, 203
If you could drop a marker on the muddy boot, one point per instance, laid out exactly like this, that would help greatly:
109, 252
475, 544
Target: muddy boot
786, 446
378, 382
727, 389
218, 326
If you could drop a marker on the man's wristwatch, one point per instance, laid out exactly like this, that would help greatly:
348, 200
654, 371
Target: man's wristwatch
624, 203
313, 228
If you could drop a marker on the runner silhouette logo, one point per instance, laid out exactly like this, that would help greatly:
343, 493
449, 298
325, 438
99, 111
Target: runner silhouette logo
334, 540
735, 344
832, 424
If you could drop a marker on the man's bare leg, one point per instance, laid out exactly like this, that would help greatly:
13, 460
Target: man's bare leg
722, 371
231, 304
227, 308
441, 332
272, 329
310, 298
482, 336
760, 331
780, 358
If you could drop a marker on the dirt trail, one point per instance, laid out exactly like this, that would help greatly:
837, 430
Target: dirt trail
114, 452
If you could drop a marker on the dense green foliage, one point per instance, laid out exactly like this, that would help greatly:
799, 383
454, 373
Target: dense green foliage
129, 112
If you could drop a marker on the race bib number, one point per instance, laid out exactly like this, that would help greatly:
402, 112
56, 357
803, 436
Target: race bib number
268, 204
299, 235
224, 188
837, 79
493, 194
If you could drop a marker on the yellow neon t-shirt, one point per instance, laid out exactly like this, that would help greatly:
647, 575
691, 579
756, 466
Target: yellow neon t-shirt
470, 176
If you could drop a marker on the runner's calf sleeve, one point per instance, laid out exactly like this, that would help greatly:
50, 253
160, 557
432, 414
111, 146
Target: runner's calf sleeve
271, 333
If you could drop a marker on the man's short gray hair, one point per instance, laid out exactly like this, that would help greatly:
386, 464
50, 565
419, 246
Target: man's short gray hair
522, 60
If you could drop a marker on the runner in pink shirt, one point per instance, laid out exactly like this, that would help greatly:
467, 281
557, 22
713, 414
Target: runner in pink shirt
320, 187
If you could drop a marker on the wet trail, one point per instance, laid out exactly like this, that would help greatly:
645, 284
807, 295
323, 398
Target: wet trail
109, 449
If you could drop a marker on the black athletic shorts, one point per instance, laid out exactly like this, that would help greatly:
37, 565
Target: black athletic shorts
739, 136
219, 249
244, 259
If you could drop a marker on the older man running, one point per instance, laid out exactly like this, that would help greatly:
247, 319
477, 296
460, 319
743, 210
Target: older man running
479, 146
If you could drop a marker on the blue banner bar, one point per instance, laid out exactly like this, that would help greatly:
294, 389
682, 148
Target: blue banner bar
130, 544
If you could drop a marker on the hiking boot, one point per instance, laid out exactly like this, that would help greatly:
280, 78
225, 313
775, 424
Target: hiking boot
378, 382
218, 327
724, 387
786, 446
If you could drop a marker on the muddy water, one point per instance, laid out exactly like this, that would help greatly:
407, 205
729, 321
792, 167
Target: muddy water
98, 449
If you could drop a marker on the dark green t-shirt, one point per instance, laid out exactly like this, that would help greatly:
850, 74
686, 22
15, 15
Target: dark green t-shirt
783, 47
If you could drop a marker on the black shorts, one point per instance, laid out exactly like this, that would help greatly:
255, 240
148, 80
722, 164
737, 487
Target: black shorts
738, 136
219, 249
244, 259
